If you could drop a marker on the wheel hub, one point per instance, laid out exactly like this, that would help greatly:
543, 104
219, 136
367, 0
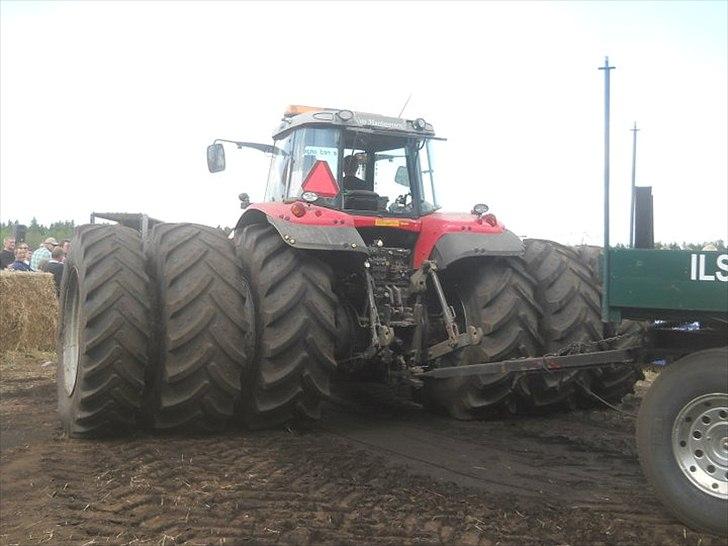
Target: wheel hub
700, 443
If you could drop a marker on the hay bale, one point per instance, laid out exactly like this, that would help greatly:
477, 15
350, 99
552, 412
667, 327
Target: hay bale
28, 311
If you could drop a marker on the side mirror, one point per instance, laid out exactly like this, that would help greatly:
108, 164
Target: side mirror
244, 200
215, 158
401, 177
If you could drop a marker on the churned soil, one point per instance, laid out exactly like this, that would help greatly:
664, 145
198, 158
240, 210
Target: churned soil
376, 470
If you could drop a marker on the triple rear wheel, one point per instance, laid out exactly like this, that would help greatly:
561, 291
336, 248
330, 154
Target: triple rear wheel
163, 332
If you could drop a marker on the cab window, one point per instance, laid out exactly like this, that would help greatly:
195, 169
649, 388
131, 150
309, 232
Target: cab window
280, 170
312, 144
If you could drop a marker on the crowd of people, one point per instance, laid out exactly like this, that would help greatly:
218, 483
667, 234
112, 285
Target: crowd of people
49, 257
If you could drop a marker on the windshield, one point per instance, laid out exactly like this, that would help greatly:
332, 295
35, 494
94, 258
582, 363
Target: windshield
375, 172
387, 173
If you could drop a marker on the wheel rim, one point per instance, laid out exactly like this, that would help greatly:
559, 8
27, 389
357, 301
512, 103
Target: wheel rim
71, 334
700, 443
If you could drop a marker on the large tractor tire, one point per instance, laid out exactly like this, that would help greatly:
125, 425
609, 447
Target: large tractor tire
682, 439
204, 326
569, 300
591, 256
104, 332
295, 329
611, 383
496, 296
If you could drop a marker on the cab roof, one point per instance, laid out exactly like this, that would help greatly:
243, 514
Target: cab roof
297, 116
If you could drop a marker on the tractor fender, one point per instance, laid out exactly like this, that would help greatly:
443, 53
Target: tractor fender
311, 232
451, 247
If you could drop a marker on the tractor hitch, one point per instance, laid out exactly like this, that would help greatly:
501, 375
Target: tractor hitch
536, 364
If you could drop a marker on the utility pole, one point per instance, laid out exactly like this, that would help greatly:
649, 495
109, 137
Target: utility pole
605, 265
634, 163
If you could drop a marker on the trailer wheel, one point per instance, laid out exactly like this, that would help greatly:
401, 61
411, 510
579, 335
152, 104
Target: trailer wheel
295, 329
104, 332
496, 296
204, 328
682, 439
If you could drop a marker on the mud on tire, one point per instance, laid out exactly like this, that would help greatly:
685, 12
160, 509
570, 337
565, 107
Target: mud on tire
204, 328
496, 296
104, 332
295, 328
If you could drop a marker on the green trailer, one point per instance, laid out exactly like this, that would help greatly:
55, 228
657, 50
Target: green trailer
670, 285
682, 427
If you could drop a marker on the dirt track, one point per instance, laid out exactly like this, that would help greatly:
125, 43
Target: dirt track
381, 472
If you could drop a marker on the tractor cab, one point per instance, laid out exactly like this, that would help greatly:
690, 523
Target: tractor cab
364, 164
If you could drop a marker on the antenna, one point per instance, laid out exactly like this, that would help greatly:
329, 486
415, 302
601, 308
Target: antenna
405, 105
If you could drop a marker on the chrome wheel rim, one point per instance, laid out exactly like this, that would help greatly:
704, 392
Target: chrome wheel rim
700, 443
71, 335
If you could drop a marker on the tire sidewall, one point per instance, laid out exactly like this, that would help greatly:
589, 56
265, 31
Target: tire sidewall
68, 404
695, 375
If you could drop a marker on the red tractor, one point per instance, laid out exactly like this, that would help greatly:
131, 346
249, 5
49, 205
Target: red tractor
346, 270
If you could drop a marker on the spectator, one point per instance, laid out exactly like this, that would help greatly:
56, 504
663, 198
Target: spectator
7, 254
21, 254
66, 246
55, 266
43, 254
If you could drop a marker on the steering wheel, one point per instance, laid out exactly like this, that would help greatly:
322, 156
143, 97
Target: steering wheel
400, 203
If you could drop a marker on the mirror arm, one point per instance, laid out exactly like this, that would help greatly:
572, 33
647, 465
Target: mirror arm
265, 148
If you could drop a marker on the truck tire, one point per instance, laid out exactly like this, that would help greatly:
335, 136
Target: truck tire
204, 321
682, 439
496, 296
103, 332
611, 383
295, 325
571, 313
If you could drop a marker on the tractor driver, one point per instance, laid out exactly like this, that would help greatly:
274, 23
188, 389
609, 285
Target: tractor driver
351, 166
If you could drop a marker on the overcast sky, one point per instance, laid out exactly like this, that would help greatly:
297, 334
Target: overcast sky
109, 106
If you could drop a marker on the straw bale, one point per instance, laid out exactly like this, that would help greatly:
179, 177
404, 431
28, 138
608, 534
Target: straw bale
28, 311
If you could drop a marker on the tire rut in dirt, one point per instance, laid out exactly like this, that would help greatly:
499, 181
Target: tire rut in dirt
104, 332
205, 328
614, 382
295, 325
496, 296
569, 300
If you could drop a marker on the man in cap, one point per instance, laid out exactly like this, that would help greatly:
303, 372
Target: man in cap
351, 166
43, 253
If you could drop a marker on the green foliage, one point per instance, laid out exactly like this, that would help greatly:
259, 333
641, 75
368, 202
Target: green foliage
37, 233
719, 245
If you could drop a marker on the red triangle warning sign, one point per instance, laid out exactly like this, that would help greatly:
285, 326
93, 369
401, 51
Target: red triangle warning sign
321, 180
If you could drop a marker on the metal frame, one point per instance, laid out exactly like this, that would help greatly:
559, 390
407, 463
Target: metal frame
537, 364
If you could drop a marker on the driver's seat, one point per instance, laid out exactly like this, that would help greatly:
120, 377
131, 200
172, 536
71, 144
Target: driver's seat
361, 200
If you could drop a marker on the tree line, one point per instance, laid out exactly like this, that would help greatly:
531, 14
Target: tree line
36, 233
63, 229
